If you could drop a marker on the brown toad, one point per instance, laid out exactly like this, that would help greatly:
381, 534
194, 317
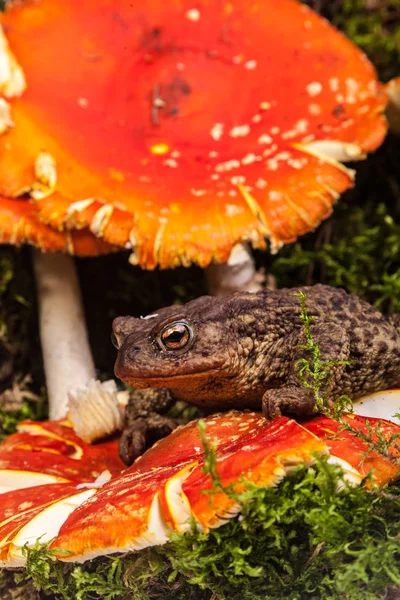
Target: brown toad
240, 351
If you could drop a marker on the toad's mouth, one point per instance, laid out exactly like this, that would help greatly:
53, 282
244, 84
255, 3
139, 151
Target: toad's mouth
152, 378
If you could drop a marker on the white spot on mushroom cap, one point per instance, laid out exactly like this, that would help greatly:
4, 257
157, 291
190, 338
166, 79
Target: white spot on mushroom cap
170, 162
264, 139
249, 159
314, 88
232, 210
314, 109
334, 84
12, 79
239, 131
46, 175
275, 196
83, 102
261, 184
238, 179
250, 64
5, 116
193, 14
198, 192
217, 131
227, 166
270, 150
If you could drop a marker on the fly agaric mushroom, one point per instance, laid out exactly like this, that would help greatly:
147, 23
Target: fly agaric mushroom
181, 130
166, 486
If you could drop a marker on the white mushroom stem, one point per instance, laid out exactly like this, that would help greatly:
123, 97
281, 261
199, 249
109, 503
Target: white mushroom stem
237, 274
68, 362
393, 108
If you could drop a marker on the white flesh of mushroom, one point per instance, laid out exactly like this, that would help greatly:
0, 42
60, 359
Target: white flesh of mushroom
238, 274
380, 405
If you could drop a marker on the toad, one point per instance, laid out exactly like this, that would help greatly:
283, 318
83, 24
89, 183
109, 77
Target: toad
241, 351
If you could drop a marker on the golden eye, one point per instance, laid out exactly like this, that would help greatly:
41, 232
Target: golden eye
175, 336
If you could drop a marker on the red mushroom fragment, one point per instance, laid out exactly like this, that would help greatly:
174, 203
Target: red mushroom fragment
348, 450
166, 486
37, 516
181, 130
46, 453
61, 472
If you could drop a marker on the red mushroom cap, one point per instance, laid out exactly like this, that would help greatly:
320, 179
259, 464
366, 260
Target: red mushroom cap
19, 224
180, 129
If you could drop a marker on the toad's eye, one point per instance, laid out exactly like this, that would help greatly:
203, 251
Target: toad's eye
175, 336
114, 340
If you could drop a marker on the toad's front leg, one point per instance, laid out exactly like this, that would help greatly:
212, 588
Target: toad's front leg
146, 422
294, 398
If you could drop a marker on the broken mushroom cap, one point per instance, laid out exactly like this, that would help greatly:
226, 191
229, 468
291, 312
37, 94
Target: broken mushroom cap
179, 130
155, 496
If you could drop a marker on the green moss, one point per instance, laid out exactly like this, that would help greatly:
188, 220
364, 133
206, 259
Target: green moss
358, 248
302, 540
21, 377
374, 26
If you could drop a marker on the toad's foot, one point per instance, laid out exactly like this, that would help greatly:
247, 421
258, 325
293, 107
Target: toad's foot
143, 433
290, 400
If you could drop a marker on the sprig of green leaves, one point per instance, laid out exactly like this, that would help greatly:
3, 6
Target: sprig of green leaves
314, 374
